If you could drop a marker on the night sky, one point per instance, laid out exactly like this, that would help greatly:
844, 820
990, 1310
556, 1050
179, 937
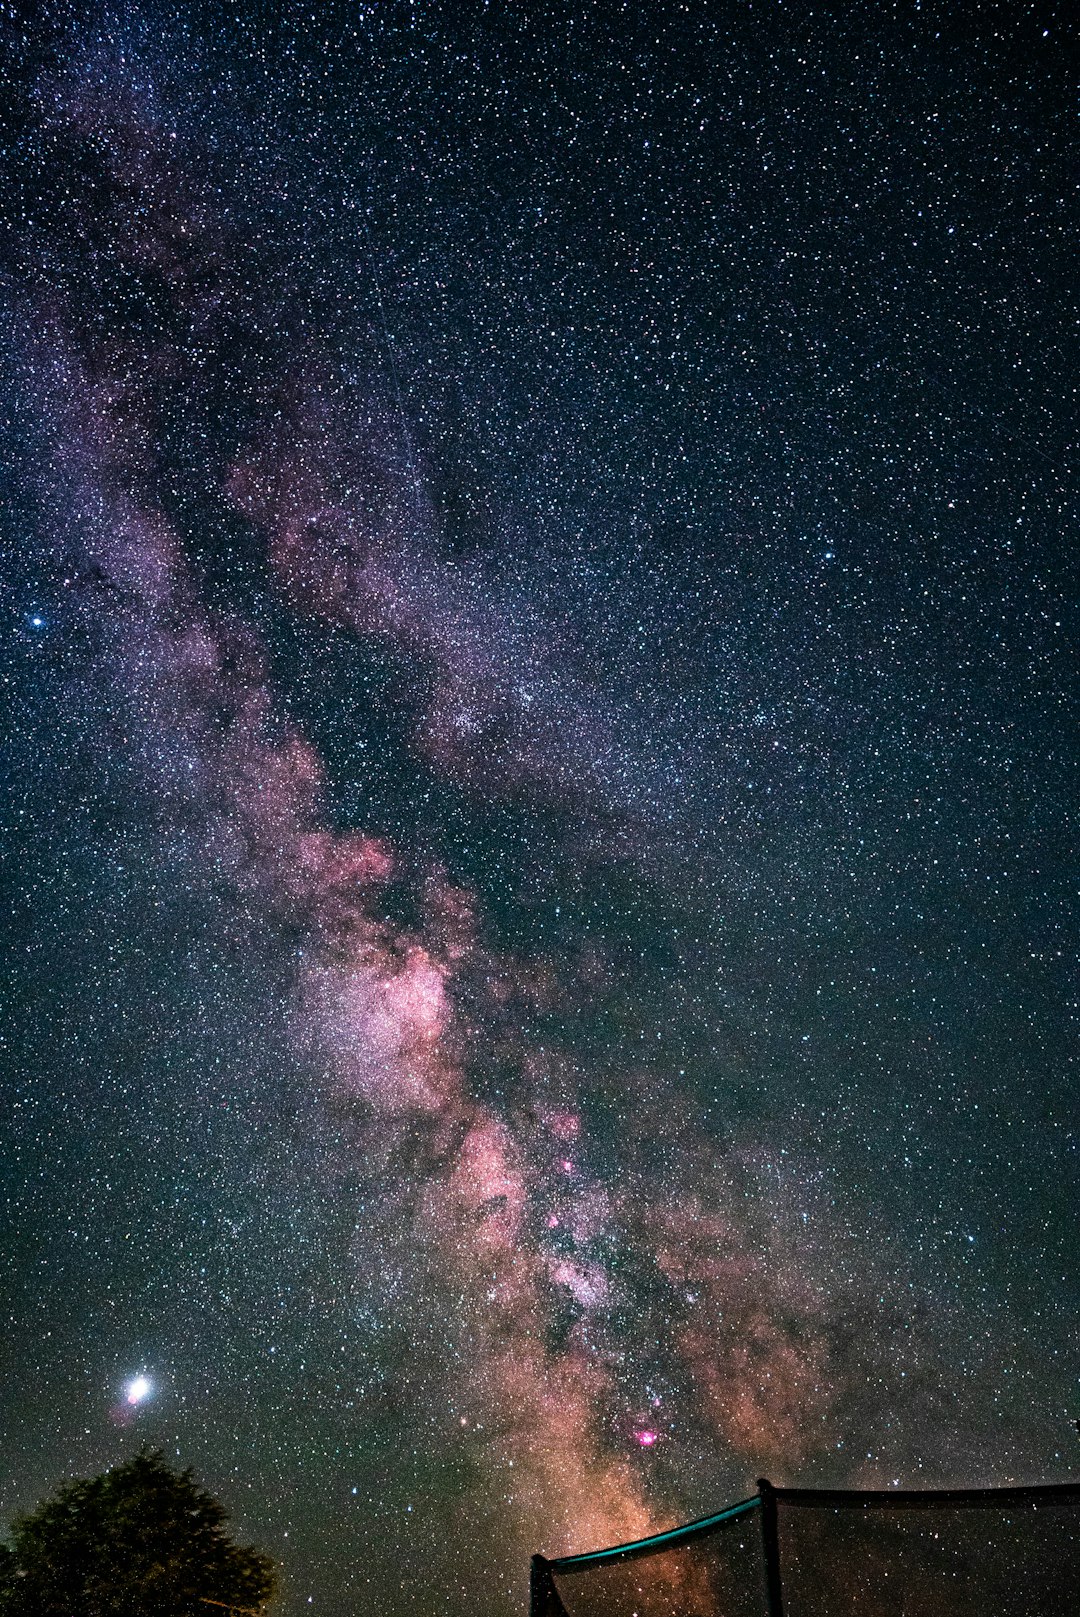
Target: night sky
539, 561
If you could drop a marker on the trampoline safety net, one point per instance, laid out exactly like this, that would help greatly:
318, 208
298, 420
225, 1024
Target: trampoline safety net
797, 1552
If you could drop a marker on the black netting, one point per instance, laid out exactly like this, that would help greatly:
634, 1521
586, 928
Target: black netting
717, 1572
1020, 1559
800, 1553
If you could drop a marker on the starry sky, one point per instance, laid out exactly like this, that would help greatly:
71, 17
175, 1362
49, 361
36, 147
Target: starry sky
538, 570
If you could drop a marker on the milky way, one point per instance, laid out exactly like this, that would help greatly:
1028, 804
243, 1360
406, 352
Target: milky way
536, 590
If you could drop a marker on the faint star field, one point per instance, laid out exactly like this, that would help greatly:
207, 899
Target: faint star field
539, 587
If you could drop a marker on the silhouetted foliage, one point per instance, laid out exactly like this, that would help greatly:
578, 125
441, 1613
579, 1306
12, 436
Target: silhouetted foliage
142, 1540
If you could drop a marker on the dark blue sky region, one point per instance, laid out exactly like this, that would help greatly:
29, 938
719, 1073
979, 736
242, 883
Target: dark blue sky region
537, 596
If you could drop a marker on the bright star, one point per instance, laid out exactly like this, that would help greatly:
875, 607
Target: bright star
138, 1389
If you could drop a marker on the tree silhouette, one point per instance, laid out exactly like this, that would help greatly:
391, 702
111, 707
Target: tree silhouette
142, 1540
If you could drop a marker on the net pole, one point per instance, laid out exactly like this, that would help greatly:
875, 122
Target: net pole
543, 1596
770, 1533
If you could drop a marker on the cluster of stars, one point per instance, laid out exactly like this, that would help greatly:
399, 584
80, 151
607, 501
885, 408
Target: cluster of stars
537, 644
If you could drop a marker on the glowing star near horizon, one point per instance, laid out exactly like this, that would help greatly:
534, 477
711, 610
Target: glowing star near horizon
138, 1389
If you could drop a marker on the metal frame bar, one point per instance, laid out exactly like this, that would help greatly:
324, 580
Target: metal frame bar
543, 1596
1044, 1493
770, 1536
546, 1602
658, 1541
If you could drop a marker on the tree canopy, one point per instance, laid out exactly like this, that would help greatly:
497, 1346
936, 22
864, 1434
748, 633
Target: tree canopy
141, 1540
